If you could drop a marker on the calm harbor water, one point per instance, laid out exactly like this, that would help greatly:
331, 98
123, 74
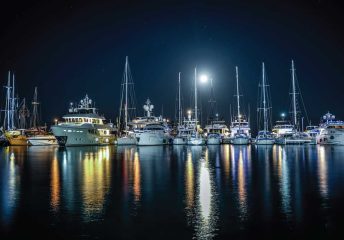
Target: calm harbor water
171, 192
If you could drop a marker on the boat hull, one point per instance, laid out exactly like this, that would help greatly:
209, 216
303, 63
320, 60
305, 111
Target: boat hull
213, 141
265, 141
42, 140
240, 141
151, 139
179, 141
196, 141
126, 141
15, 139
80, 136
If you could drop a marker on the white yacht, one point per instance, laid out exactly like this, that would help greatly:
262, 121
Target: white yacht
214, 139
126, 136
312, 132
150, 130
282, 128
217, 130
240, 127
83, 126
331, 131
264, 136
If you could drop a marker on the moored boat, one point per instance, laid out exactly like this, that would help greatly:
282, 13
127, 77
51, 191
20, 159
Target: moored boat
83, 126
331, 131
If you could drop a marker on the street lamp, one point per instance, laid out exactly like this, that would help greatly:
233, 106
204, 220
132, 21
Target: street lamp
282, 116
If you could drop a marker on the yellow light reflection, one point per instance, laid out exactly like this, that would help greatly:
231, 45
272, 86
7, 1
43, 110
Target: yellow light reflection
96, 181
189, 181
55, 185
137, 178
226, 160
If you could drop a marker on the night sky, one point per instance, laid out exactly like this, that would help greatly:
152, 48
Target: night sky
70, 48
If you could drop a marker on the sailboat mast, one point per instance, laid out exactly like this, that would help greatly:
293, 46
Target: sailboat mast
13, 102
179, 104
196, 100
35, 103
126, 94
238, 96
294, 92
7, 120
264, 98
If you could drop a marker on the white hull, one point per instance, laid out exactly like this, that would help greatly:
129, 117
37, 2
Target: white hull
179, 141
266, 141
126, 141
151, 139
240, 141
80, 135
336, 137
292, 141
213, 141
42, 141
196, 141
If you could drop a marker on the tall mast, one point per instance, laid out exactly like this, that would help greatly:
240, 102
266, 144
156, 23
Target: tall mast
179, 103
294, 93
13, 102
196, 100
126, 94
264, 99
238, 96
35, 103
7, 119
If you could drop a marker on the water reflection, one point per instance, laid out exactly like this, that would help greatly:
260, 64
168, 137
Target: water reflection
322, 172
282, 170
10, 183
86, 176
241, 173
200, 198
55, 184
131, 178
189, 183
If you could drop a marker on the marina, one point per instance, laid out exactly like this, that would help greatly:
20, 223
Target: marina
83, 126
196, 120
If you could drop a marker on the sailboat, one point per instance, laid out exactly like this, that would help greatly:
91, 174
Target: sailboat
181, 137
14, 136
38, 135
215, 129
127, 137
264, 136
294, 137
196, 138
240, 128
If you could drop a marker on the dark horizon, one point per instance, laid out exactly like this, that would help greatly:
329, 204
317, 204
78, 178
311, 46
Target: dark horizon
70, 48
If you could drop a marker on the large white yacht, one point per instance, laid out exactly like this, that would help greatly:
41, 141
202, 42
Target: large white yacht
150, 130
331, 131
240, 127
83, 126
